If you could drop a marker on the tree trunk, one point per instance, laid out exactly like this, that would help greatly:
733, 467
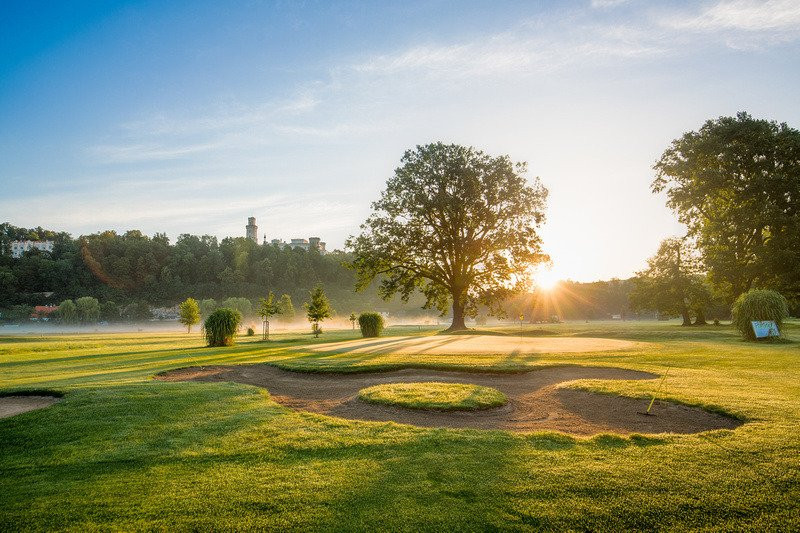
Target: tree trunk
687, 319
700, 318
458, 316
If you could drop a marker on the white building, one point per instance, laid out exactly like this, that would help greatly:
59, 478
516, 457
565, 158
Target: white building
303, 244
20, 247
312, 242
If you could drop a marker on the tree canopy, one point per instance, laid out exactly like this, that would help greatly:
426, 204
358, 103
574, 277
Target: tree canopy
735, 183
456, 224
189, 313
673, 283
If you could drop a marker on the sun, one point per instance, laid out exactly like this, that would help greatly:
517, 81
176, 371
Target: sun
546, 279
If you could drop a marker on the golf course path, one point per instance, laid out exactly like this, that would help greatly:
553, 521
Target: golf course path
535, 402
471, 344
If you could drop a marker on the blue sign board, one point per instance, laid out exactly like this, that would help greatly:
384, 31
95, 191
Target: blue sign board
765, 328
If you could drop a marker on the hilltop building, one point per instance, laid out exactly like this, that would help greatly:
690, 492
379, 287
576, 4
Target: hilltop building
252, 229
303, 244
20, 247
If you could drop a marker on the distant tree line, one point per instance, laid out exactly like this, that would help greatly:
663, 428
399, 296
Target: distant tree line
129, 273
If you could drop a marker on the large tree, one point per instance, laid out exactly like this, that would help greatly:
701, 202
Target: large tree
673, 283
456, 224
735, 183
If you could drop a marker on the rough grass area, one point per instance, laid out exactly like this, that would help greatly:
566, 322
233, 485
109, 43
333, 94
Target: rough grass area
434, 395
124, 452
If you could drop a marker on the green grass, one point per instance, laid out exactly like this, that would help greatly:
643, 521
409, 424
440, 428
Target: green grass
434, 395
122, 451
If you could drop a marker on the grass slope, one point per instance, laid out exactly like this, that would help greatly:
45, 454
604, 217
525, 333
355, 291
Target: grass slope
125, 452
434, 395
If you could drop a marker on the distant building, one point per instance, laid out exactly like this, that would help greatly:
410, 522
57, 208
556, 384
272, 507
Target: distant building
43, 312
312, 242
20, 247
252, 229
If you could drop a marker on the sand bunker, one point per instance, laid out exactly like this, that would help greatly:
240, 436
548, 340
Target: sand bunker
14, 405
535, 402
471, 344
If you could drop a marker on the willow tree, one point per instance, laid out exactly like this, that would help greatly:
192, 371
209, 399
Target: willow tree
456, 224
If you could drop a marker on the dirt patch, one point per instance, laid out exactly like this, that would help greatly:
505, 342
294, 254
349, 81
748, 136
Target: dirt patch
14, 405
471, 344
535, 402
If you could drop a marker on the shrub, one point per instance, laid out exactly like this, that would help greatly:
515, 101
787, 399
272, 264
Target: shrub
221, 326
758, 304
250, 332
371, 324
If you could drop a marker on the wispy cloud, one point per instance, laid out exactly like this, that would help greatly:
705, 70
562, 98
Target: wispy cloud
530, 48
603, 4
748, 15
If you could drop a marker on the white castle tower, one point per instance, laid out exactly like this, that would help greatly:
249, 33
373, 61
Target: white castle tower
252, 229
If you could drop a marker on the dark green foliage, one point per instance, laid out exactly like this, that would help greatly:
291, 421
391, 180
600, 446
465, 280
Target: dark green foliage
736, 184
371, 324
221, 326
251, 332
673, 284
110, 312
758, 304
131, 267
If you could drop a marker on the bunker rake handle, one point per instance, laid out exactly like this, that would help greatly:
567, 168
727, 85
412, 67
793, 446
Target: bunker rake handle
661, 384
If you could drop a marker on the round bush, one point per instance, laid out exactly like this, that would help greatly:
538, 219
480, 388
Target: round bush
758, 304
221, 326
250, 332
371, 324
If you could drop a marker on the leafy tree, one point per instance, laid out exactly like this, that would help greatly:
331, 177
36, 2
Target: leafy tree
672, 283
207, 307
243, 305
736, 184
20, 313
318, 308
286, 308
353, 319
110, 311
189, 312
268, 307
67, 312
456, 224
221, 326
88, 309
137, 311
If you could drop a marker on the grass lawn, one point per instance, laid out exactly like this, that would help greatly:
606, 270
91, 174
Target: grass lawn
433, 395
122, 451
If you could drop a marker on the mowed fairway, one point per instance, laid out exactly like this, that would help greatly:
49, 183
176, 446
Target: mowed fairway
123, 451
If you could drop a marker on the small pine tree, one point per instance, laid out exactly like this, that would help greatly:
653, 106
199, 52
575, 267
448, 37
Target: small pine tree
286, 308
189, 312
318, 309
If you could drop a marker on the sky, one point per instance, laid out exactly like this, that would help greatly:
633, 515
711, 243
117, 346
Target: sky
188, 117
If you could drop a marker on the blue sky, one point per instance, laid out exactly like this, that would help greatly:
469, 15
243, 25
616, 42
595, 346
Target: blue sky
187, 117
